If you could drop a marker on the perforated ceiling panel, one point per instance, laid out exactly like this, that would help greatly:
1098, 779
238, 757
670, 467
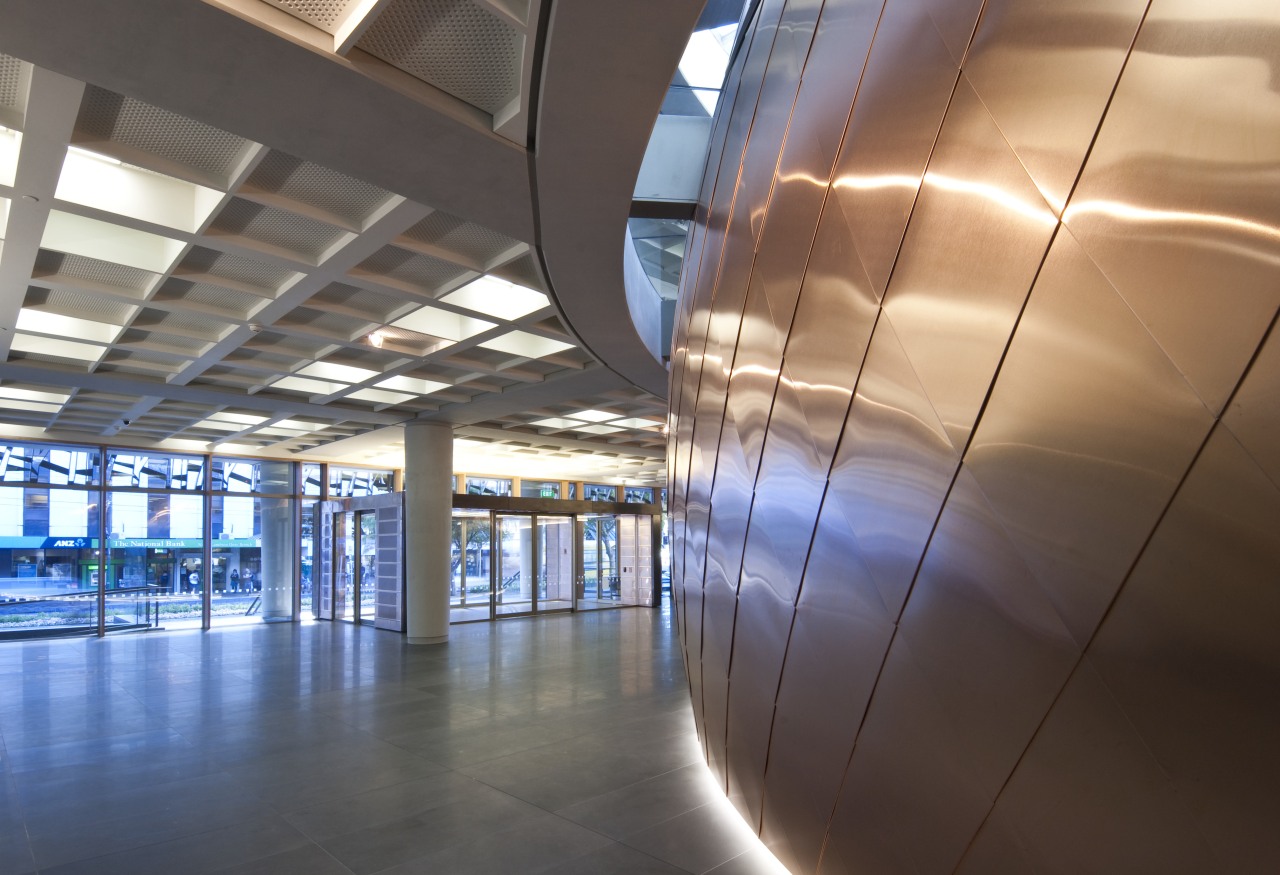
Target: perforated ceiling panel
277, 228
328, 190
452, 44
522, 271
105, 115
95, 307
324, 14
245, 271
467, 239
70, 268
10, 81
208, 298
422, 271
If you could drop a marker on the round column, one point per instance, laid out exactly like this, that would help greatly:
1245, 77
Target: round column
428, 503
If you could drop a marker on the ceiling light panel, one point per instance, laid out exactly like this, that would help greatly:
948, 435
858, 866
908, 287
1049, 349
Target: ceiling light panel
48, 347
308, 385
342, 373
636, 422
10, 146
105, 184
413, 385
77, 235
442, 323
498, 298
56, 325
593, 415
15, 393
380, 396
523, 343
597, 429
556, 422
242, 419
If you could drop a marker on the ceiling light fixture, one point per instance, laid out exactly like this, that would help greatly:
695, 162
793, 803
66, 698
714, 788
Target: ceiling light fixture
376, 339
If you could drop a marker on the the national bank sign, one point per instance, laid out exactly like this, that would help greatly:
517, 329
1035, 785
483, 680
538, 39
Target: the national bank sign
35, 542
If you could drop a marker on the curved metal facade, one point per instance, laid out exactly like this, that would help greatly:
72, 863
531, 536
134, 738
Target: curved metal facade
975, 436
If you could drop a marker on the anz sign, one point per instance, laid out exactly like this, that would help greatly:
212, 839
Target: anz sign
67, 543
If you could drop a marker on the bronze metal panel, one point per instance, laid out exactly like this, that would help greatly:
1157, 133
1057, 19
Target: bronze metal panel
906, 804
756, 367
1089, 797
831, 77
893, 468
838, 642
908, 80
955, 20
985, 636
773, 112
804, 168
1191, 655
1088, 431
976, 239
830, 333
1045, 69
1254, 413
760, 639
1172, 204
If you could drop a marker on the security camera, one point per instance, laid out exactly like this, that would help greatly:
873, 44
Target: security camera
127, 422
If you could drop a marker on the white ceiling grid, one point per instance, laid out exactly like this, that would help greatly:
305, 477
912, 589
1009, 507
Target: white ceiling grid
270, 308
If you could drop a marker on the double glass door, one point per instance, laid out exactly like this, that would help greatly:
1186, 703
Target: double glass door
511, 564
355, 578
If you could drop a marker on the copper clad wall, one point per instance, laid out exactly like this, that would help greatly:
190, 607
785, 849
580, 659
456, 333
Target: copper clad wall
975, 436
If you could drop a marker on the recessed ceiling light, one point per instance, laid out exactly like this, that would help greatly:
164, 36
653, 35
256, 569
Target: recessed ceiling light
376, 339
333, 371
522, 343
498, 298
593, 415
412, 385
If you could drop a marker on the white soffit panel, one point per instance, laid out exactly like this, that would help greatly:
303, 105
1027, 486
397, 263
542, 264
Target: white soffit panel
106, 184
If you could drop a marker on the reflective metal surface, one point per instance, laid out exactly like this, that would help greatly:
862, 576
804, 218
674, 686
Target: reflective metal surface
903, 95
1172, 202
1045, 70
977, 235
1080, 486
977, 510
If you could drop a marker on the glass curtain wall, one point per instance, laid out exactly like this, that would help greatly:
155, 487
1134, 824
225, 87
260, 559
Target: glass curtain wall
49, 540
253, 542
155, 571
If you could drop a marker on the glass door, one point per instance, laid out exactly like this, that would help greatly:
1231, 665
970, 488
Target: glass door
471, 590
366, 584
344, 566
554, 591
513, 568
601, 583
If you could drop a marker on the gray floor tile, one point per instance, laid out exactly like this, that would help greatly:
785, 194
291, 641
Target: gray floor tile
326, 749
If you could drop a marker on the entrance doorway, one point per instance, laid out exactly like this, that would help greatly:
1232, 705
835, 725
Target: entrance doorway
355, 556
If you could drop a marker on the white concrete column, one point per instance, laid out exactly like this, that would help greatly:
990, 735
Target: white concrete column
428, 503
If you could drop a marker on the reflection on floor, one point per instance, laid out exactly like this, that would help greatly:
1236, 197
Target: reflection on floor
560, 744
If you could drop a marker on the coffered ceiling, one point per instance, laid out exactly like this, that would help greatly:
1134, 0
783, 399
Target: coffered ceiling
170, 279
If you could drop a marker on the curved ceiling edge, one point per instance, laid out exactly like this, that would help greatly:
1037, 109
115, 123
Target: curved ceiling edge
600, 95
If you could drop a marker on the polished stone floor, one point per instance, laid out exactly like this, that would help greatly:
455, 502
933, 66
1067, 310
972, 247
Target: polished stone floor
562, 744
